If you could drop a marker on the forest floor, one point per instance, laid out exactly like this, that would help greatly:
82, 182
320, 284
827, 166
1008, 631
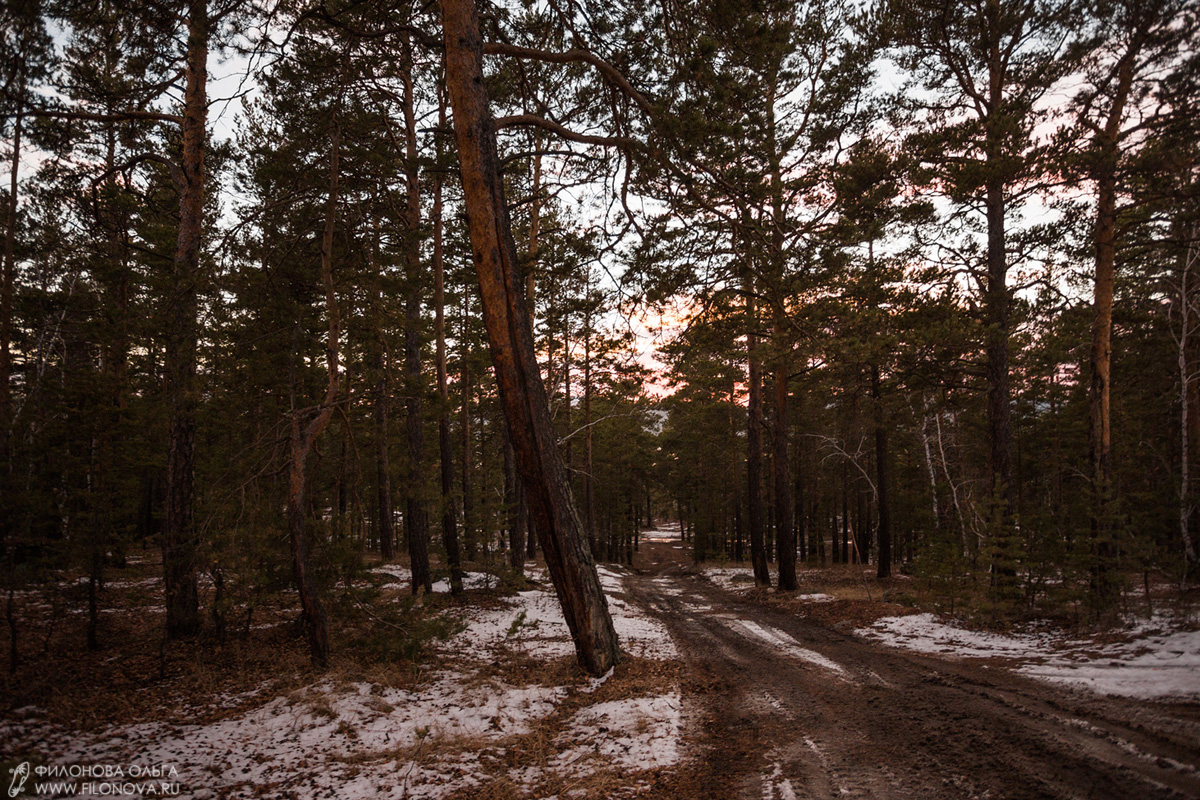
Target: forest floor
493, 706
726, 691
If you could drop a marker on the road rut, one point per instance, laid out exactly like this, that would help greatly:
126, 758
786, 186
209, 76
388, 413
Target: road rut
789, 707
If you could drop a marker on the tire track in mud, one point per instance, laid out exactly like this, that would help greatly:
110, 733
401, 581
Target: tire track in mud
790, 708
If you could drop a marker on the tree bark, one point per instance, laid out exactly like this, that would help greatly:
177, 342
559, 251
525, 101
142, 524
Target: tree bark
568, 452
180, 538
929, 470
518, 514
1099, 394
465, 425
316, 628
999, 416
848, 557
510, 336
999, 413
417, 515
884, 561
535, 225
449, 527
589, 481
302, 438
383, 471
1106, 142
383, 484
1187, 413
7, 285
785, 535
754, 449
800, 501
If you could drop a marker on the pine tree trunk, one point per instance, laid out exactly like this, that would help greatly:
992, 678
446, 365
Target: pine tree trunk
884, 561
95, 576
518, 517
303, 437
449, 527
383, 471
316, 627
180, 538
465, 425
568, 452
999, 410
7, 285
785, 536
997, 309
535, 227
416, 516
754, 450
848, 557
1099, 394
589, 487
799, 500
864, 526
510, 336
785, 545
1106, 141
383, 484
930, 472
736, 488
1187, 409
104, 474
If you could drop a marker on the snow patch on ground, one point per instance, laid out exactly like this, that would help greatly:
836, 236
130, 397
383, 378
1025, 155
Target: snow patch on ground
359, 740
638, 734
532, 623
736, 579
1158, 661
665, 532
156, 581
785, 643
399, 574
471, 580
739, 579
318, 739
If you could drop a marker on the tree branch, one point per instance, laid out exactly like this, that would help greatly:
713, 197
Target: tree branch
574, 55
122, 116
623, 142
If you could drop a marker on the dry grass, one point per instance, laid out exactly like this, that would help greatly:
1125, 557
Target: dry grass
593, 777
859, 599
138, 675
495, 764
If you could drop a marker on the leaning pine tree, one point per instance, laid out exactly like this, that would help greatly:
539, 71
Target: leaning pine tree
510, 337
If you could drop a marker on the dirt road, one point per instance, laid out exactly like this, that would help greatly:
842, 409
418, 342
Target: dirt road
787, 707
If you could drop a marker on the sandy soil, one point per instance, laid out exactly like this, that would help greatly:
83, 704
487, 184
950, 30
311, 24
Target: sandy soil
788, 706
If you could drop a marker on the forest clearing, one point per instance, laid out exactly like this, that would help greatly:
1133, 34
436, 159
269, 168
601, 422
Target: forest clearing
584, 399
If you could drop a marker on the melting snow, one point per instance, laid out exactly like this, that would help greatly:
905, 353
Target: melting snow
358, 740
1157, 662
666, 532
533, 623
784, 642
640, 733
316, 738
739, 579
399, 574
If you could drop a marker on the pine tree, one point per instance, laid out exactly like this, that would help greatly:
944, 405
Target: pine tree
986, 67
504, 305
